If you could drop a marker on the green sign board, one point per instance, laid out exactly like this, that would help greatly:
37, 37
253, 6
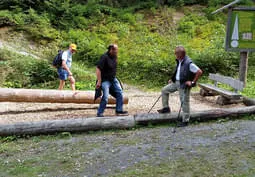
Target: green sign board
241, 30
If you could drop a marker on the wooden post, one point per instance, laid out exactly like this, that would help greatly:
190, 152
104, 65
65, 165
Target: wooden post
243, 67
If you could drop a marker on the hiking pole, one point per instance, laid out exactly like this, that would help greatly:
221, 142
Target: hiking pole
176, 122
155, 103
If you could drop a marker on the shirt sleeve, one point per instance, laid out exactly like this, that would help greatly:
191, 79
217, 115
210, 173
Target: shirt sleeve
64, 56
101, 63
193, 68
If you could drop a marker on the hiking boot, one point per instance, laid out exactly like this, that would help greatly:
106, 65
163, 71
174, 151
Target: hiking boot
100, 115
164, 110
121, 113
182, 124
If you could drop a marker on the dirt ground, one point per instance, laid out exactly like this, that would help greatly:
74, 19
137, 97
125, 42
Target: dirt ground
212, 149
139, 102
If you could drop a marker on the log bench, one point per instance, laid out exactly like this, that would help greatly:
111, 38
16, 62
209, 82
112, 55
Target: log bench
226, 96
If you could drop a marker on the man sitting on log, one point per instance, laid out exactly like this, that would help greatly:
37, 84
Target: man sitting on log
106, 79
185, 76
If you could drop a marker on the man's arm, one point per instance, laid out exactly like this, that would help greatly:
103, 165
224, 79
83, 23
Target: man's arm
99, 68
99, 79
198, 75
66, 68
198, 72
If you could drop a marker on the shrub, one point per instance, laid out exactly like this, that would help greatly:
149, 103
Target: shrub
25, 71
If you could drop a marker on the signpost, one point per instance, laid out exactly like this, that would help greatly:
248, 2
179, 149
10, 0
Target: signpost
240, 34
241, 30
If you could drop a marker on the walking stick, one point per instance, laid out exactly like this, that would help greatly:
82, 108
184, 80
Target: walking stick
174, 130
155, 103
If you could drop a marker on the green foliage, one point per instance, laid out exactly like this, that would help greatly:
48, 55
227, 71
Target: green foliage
146, 35
84, 76
190, 24
8, 139
38, 27
8, 18
25, 71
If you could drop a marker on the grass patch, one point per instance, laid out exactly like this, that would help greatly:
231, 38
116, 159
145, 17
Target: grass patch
64, 154
198, 165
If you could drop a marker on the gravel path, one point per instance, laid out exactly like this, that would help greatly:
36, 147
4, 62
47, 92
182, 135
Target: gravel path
207, 149
139, 102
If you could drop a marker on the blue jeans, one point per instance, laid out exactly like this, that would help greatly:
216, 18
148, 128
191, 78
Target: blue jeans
62, 74
115, 86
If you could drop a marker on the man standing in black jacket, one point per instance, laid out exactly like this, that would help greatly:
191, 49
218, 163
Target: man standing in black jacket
106, 79
185, 76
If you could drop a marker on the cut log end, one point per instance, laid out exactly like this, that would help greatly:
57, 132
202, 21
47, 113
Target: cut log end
249, 101
205, 93
221, 100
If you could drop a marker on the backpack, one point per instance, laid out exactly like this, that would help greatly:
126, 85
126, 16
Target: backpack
57, 62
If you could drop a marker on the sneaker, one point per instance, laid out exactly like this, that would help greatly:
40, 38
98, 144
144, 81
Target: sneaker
182, 124
100, 115
164, 110
121, 113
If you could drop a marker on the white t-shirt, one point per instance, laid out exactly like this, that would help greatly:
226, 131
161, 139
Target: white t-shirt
192, 67
67, 57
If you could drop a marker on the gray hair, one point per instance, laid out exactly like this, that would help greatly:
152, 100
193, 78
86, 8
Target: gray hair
181, 49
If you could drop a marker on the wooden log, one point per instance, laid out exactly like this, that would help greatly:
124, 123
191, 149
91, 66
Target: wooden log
93, 124
142, 119
204, 93
249, 101
68, 125
221, 100
51, 96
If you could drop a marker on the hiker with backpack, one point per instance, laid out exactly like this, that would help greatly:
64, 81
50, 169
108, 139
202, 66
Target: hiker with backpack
63, 62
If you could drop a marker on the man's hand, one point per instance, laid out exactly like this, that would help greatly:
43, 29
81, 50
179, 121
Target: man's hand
99, 83
70, 74
188, 83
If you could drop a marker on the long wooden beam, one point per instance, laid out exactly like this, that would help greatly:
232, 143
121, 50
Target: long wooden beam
51, 96
206, 115
92, 124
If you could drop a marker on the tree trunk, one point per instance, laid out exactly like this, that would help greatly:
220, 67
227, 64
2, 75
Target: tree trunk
142, 119
68, 125
92, 124
51, 96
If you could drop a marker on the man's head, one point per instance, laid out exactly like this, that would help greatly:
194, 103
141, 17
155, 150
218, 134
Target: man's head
180, 52
113, 50
73, 48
